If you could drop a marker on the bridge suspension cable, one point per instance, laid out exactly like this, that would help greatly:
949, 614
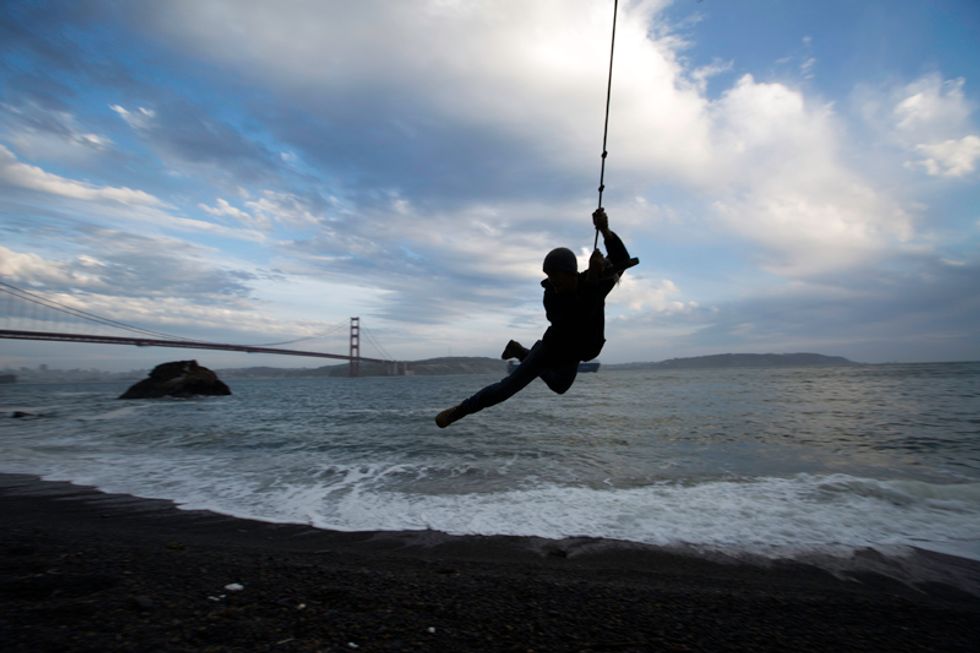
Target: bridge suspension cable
24, 295
137, 335
84, 315
334, 330
377, 345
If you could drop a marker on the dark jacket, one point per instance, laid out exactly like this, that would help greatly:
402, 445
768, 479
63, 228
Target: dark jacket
578, 320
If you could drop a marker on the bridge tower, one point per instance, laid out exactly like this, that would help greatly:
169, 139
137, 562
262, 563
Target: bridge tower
355, 346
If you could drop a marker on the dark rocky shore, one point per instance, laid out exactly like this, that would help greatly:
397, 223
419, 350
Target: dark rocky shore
85, 571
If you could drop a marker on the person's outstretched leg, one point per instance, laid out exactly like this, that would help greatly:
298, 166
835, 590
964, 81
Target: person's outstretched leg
529, 369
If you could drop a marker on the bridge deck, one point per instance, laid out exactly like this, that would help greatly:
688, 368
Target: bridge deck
183, 344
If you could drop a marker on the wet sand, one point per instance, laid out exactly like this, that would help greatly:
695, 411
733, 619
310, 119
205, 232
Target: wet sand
81, 570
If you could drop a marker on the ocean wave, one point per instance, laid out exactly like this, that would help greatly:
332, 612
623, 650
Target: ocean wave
774, 517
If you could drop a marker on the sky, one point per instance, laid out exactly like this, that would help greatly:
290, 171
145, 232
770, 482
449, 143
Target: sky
793, 176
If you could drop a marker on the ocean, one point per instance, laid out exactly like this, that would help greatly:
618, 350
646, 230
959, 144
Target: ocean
774, 463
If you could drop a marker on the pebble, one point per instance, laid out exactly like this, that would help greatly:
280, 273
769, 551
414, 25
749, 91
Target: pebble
143, 602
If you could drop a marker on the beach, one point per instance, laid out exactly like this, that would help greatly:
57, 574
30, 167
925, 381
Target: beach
82, 570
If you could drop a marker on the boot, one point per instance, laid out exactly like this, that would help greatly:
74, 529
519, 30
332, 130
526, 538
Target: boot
516, 350
448, 416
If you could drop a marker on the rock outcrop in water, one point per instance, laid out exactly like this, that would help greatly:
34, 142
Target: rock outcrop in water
177, 379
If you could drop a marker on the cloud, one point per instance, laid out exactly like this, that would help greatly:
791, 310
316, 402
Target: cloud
932, 119
805, 234
951, 158
119, 263
287, 209
272, 209
23, 175
370, 98
769, 158
641, 295
786, 188
384, 110
141, 118
41, 132
806, 68
31, 268
110, 204
701, 75
224, 209
193, 142
931, 108
119, 207
435, 266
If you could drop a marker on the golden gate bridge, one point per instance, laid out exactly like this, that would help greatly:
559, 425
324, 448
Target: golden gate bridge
34, 310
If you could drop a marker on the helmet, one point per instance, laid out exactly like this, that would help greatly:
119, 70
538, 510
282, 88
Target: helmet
560, 259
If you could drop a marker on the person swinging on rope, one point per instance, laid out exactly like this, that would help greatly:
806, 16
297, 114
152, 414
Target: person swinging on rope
574, 303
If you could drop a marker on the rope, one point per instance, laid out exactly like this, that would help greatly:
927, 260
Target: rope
605, 129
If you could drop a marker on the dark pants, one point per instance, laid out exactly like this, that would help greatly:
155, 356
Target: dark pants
558, 376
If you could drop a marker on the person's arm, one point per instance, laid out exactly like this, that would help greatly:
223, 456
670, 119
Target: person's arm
615, 248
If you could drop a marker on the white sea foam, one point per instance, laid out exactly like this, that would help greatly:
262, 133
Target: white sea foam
130, 410
802, 514
770, 516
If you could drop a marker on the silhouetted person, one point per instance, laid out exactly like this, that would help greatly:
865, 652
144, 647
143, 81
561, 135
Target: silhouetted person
574, 303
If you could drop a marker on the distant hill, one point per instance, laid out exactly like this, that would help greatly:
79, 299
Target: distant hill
431, 366
459, 365
449, 365
740, 360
